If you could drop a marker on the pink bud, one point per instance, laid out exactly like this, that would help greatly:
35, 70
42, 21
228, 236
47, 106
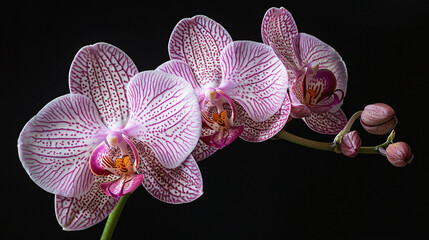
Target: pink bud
350, 144
378, 118
399, 154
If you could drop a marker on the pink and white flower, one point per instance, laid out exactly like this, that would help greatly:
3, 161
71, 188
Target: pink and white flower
117, 129
317, 74
241, 85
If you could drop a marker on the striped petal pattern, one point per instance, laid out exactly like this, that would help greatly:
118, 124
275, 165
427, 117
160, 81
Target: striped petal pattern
164, 114
172, 185
327, 123
55, 145
315, 51
262, 131
254, 77
101, 72
280, 31
79, 213
198, 41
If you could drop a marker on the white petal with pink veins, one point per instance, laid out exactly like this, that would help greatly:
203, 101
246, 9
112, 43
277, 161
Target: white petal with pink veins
101, 72
178, 185
198, 41
315, 51
254, 77
327, 123
180, 69
261, 131
79, 213
165, 115
279, 31
55, 145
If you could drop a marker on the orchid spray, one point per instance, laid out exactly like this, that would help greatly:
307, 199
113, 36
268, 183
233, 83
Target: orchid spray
119, 128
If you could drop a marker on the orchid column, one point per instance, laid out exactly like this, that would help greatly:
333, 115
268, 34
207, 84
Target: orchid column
117, 129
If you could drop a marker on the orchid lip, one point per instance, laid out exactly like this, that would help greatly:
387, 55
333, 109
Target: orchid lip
336, 103
103, 162
218, 112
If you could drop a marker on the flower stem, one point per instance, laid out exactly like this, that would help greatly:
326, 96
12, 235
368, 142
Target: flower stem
328, 146
113, 218
325, 146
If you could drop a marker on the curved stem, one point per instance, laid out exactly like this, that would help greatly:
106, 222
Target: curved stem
113, 218
327, 146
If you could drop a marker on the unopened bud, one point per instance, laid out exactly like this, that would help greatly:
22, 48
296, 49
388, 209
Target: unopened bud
399, 154
378, 118
350, 144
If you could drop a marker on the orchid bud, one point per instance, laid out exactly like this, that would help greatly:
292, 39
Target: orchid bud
350, 144
378, 118
399, 154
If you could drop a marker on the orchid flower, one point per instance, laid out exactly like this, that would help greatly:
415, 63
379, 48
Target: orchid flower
117, 129
317, 74
241, 85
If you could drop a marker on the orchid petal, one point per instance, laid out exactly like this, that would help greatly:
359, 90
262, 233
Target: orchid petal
254, 77
97, 160
280, 32
326, 123
180, 69
222, 138
298, 110
165, 115
202, 150
101, 72
198, 41
315, 51
79, 213
55, 145
178, 185
121, 186
261, 131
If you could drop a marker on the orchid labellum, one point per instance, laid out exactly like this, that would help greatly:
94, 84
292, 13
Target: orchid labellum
117, 129
241, 85
317, 74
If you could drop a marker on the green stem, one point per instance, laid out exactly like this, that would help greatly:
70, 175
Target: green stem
113, 218
326, 146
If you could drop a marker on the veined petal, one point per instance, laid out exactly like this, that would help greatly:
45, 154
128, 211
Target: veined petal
101, 72
280, 31
202, 150
180, 69
79, 213
261, 131
254, 77
55, 145
178, 185
326, 123
315, 51
165, 115
198, 41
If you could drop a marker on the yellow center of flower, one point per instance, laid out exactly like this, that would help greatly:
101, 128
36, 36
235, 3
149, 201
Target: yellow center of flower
220, 118
124, 164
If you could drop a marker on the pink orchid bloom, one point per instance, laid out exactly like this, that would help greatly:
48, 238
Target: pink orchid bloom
117, 129
317, 74
241, 85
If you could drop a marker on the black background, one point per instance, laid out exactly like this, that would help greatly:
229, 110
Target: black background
269, 190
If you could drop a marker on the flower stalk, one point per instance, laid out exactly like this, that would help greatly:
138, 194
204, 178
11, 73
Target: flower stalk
113, 218
331, 146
